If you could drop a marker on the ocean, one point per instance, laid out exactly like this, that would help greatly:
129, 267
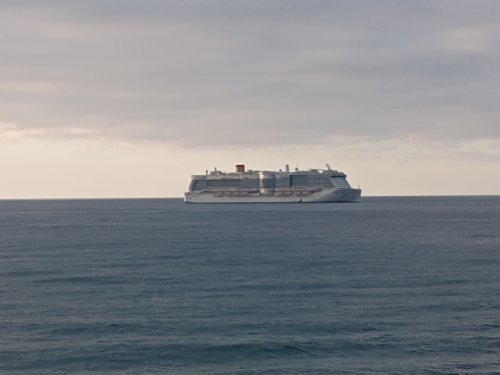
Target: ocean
392, 285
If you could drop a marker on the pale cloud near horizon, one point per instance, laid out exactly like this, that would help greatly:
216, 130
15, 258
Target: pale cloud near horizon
392, 78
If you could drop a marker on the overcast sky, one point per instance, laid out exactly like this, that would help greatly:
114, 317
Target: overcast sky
125, 98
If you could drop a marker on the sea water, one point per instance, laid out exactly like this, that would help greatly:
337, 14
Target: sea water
389, 285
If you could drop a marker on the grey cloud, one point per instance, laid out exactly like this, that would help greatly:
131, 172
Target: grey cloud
199, 73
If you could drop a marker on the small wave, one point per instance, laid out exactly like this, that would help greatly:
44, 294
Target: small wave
484, 235
98, 280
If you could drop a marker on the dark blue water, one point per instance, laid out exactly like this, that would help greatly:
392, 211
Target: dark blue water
390, 285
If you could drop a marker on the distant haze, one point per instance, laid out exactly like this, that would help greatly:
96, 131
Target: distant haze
105, 98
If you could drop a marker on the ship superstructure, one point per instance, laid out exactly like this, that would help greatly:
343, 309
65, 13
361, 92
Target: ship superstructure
249, 186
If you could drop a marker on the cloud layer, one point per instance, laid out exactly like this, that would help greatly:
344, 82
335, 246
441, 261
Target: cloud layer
225, 73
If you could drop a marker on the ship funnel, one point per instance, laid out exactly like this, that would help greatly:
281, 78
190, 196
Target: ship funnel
240, 168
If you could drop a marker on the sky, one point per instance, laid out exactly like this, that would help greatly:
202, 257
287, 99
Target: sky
128, 98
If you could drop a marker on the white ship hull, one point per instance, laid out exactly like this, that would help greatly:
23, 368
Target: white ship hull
324, 196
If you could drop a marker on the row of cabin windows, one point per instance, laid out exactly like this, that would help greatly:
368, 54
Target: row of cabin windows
310, 181
293, 181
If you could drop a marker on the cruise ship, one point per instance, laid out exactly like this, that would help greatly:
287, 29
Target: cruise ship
283, 186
